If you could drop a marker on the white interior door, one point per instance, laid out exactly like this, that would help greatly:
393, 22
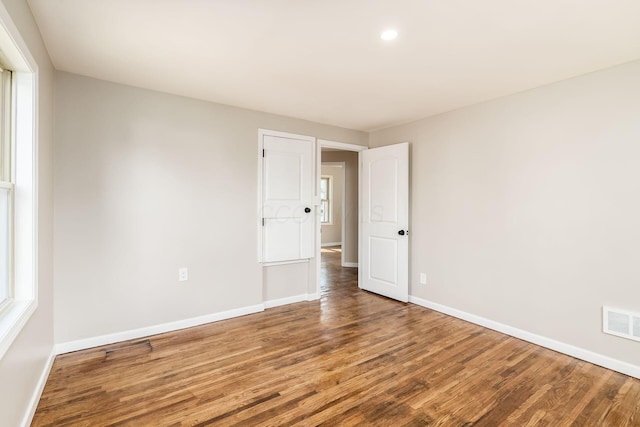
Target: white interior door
287, 197
384, 221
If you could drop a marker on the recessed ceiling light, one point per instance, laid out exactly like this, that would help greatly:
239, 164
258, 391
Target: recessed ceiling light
389, 35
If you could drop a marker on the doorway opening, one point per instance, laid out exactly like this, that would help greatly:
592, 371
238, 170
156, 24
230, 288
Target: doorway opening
337, 248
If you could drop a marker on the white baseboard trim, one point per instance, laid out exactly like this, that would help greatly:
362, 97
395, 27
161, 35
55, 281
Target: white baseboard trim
324, 245
284, 301
155, 329
568, 349
37, 392
313, 297
349, 264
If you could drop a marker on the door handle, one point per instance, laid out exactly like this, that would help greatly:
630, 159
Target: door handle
403, 232
307, 210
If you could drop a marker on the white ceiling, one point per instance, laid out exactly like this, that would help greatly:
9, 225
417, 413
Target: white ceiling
323, 60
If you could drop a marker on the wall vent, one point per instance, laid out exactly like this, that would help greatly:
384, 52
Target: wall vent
621, 323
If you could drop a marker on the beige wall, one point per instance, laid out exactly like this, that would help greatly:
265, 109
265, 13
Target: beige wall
350, 244
332, 233
277, 283
525, 210
146, 183
23, 364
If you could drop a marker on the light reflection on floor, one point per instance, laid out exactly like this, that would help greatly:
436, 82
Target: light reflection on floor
336, 282
328, 257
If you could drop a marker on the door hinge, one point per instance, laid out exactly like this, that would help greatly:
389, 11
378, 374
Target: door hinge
262, 152
263, 222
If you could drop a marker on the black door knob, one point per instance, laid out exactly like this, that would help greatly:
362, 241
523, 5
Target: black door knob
307, 210
401, 232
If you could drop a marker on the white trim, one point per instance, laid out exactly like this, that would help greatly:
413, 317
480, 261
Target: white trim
293, 261
13, 319
37, 392
291, 300
155, 329
259, 218
289, 135
23, 52
350, 264
324, 245
316, 263
341, 145
288, 300
568, 349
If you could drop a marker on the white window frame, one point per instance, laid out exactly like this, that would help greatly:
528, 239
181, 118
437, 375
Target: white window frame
24, 157
7, 179
329, 200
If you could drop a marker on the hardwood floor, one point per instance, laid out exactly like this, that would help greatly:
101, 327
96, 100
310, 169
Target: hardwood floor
353, 358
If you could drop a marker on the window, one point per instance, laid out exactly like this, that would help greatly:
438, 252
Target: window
325, 199
6, 188
18, 183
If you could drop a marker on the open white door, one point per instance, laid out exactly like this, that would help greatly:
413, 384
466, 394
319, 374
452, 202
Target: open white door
384, 221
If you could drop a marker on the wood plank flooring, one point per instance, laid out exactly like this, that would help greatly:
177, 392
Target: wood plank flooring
353, 358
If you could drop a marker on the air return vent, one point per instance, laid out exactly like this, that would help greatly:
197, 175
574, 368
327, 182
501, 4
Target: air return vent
621, 323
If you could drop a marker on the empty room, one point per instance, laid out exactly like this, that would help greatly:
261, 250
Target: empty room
305, 212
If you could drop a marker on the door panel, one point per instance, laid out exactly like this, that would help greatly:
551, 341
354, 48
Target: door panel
381, 250
287, 198
384, 190
281, 239
282, 172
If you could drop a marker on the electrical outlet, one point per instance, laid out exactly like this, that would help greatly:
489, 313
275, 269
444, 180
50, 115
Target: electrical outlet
183, 274
423, 279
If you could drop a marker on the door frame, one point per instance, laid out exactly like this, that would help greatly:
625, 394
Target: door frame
324, 143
